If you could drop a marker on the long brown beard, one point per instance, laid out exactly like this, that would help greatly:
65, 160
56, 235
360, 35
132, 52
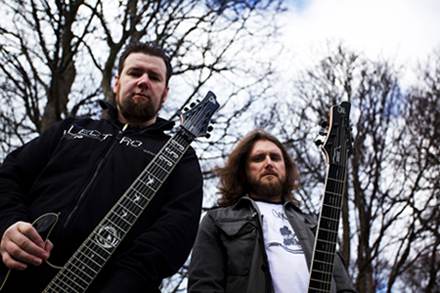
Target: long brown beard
269, 189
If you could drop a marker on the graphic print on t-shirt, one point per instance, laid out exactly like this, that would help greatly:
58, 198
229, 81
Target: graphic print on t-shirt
290, 242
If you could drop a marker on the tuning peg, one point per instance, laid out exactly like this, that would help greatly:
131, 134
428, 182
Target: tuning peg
318, 142
324, 123
192, 105
210, 128
185, 109
323, 133
207, 135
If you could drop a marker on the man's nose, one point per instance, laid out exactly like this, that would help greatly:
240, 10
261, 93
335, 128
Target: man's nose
144, 81
268, 162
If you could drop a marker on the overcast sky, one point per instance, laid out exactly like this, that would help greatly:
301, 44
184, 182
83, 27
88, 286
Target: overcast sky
405, 30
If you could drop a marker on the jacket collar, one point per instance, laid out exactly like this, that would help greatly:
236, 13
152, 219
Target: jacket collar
288, 206
247, 198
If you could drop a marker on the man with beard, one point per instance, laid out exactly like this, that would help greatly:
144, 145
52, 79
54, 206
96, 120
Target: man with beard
257, 239
79, 168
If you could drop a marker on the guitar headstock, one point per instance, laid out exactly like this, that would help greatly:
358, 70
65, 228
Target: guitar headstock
197, 119
338, 143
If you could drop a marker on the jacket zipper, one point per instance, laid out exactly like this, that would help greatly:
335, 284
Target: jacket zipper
98, 169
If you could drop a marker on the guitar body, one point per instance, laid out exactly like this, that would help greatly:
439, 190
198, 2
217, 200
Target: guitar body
33, 279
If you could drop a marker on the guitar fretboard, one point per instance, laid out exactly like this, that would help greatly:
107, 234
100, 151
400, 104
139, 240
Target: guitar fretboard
325, 244
88, 260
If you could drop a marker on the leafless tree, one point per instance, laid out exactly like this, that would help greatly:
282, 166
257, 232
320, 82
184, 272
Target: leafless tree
58, 58
390, 220
419, 156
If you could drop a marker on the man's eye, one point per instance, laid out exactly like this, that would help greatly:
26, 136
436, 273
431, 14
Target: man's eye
275, 158
135, 74
154, 78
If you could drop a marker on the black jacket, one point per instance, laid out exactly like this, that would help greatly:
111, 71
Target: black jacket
80, 168
229, 253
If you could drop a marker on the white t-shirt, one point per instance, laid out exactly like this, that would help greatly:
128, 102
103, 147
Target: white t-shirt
286, 258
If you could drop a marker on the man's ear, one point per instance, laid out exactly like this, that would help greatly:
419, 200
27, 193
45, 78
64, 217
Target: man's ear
115, 85
166, 95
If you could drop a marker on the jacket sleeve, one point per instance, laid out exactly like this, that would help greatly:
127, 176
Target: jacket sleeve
207, 267
164, 246
19, 172
343, 281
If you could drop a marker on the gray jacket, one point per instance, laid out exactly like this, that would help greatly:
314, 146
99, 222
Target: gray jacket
229, 254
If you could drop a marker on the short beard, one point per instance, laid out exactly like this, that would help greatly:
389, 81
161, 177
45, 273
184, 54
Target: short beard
138, 112
271, 189
135, 112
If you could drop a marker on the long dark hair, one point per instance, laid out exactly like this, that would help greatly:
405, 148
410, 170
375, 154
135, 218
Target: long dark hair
233, 182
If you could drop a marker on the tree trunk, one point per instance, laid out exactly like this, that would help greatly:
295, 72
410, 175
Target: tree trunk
58, 96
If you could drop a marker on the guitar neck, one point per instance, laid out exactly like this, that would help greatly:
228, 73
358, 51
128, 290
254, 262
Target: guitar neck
321, 271
88, 260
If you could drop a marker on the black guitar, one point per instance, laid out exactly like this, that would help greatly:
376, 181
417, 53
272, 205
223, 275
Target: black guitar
82, 268
337, 147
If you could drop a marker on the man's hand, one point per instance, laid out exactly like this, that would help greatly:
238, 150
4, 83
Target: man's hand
22, 245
